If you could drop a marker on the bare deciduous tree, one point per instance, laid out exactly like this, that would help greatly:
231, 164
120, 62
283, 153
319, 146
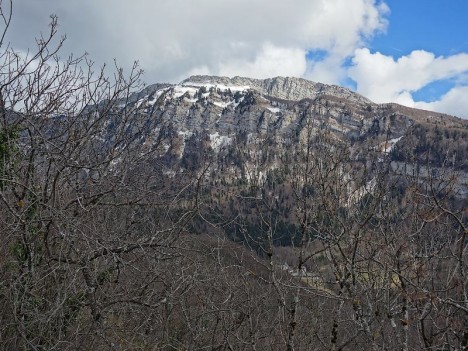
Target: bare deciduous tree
86, 227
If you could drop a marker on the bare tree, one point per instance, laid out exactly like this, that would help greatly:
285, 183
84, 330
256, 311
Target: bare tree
381, 246
86, 228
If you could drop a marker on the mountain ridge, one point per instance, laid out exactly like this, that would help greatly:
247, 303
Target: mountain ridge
218, 116
296, 89
289, 88
214, 98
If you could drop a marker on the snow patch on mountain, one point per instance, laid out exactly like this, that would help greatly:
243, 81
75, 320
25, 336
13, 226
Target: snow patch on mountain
182, 90
221, 87
274, 109
390, 144
156, 95
218, 141
222, 104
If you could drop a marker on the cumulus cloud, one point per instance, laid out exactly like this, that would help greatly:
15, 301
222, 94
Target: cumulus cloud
330, 70
172, 39
454, 102
384, 79
256, 38
269, 61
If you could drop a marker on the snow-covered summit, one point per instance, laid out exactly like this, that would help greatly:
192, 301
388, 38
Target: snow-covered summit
287, 88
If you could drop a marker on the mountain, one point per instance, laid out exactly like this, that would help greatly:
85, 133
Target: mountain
286, 88
243, 131
220, 110
231, 214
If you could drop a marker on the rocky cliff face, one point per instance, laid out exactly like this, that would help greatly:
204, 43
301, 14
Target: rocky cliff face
219, 115
239, 135
226, 105
286, 88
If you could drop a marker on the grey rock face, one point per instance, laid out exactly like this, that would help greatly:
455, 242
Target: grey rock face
219, 112
286, 88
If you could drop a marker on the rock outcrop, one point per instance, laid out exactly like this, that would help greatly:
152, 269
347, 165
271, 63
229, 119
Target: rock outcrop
286, 88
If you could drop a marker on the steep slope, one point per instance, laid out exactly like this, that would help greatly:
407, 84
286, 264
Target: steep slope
244, 132
352, 217
219, 110
280, 87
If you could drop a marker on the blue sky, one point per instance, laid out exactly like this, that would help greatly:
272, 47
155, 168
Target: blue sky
413, 52
438, 26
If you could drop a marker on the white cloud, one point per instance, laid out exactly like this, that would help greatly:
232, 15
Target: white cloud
454, 102
174, 38
270, 61
329, 71
384, 79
